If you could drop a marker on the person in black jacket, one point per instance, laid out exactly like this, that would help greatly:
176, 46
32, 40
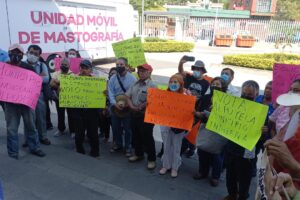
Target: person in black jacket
207, 159
238, 160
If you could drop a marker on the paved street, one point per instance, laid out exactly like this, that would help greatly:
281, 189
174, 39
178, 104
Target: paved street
64, 174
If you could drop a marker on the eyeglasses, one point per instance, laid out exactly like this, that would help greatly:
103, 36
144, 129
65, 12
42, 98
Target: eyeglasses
120, 65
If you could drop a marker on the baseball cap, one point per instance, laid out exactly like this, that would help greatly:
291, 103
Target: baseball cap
86, 63
199, 64
289, 99
16, 46
146, 66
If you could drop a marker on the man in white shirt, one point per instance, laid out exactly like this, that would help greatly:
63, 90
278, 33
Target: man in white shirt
227, 75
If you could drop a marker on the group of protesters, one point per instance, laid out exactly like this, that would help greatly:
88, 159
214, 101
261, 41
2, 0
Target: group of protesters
124, 115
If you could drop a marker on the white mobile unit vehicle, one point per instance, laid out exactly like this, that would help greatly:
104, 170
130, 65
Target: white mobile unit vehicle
89, 26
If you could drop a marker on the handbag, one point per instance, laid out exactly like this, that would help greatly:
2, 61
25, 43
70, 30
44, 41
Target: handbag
210, 141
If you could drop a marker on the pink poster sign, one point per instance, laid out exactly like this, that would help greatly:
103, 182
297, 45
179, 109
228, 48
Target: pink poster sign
19, 85
74, 64
283, 76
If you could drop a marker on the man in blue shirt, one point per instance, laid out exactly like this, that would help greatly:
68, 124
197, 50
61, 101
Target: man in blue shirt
120, 119
33, 54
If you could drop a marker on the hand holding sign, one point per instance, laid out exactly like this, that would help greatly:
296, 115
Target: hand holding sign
19, 86
237, 119
132, 49
170, 109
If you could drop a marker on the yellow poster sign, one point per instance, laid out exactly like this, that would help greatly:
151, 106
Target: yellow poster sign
237, 119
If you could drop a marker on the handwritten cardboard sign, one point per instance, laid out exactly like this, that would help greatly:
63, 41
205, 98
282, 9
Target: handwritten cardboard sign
237, 119
82, 92
132, 49
162, 87
74, 64
283, 76
19, 86
170, 109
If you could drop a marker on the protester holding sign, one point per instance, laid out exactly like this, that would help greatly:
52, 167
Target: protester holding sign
227, 75
86, 120
208, 158
172, 137
142, 132
197, 85
13, 113
239, 161
55, 84
33, 54
118, 85
281, 116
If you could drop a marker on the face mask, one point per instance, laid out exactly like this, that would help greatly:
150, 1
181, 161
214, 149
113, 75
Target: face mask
72, 56
64, 68
120, 70
225, 77
174, 87
247, 97
197, 74
32, 58
15, 58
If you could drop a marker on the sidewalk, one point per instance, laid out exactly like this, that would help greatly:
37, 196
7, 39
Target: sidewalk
66, 175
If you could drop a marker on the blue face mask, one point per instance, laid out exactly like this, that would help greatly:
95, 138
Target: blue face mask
225, 77
197, 74
174, 87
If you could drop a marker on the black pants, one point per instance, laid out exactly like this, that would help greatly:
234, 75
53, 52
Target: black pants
86, 120
238, 175
208, 160
142, 137
186, 145
61, 118
48, 114
104, 123
2, 104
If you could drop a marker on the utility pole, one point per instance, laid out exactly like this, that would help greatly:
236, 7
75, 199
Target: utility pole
143, 8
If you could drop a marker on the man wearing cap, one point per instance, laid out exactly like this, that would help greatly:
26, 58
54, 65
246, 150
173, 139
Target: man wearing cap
86, 119
119, 85
13, 113
33, 54
198, 86
142, 132
227, 75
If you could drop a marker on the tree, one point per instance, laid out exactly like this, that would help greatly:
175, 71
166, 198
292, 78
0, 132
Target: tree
288, 10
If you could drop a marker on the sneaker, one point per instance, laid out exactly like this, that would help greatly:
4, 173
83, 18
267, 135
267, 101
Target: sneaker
38, 153
151, 165
58, 133
115, 149
163, 171
25, 145
135, 158
174, 173
45, 141
199, 176
73, 135
128, 153
214, 182
50, 127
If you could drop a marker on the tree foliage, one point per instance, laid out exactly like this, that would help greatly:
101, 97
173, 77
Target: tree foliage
288, 10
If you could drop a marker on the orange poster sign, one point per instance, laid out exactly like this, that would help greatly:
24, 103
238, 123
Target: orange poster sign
192, 135
170, 109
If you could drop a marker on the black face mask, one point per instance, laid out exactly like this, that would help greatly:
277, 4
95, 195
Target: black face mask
247, 97
212, 88
64, 68
120, 70
15, 58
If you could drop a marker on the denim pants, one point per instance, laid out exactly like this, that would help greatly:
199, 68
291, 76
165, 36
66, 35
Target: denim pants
13, 114
40, 121
120, 125
207, 160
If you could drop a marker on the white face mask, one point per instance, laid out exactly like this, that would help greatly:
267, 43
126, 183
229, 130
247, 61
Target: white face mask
72, 56
32, 58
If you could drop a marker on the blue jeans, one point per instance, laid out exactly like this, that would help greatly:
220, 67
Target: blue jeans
40, 114
13, 114
120, 125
